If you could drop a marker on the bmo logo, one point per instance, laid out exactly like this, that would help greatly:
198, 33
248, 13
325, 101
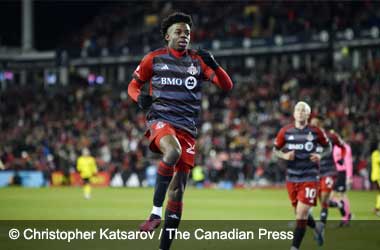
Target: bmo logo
308, 146
295, 146
171, 81
191, 82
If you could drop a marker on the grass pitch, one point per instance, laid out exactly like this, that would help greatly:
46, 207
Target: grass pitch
125, 208
67, 203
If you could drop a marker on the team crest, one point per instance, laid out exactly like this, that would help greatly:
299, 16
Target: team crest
310, 137
192, 70
191, 82
309, 146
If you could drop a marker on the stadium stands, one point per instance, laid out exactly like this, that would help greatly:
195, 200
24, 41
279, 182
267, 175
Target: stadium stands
44, 128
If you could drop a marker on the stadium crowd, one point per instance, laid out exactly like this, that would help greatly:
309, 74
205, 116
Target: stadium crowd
131, 28
45, 129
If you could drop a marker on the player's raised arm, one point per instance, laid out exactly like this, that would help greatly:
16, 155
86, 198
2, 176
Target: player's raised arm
214, 71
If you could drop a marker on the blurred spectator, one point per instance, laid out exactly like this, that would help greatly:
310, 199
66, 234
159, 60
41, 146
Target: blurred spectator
128, 27
46, 128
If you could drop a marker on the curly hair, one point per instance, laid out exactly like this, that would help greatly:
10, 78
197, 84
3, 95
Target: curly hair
176, 17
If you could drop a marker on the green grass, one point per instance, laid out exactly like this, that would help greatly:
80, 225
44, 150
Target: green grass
125, 208
67, 203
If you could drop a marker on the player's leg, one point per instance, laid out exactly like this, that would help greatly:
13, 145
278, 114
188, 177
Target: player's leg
347, 208
86, 188
318, 228
326, 185
340, 193
377, 204
339, 200
324, 198
302, 212
307, 198
173, 211
171, 149
336, 202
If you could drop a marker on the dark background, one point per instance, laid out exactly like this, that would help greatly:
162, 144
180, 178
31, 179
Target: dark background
52, 21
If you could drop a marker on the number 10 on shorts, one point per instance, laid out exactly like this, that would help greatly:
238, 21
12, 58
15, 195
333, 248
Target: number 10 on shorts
310, 193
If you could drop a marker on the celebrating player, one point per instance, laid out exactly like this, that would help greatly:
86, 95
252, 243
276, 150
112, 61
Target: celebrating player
176, 75
297, 144
327, 173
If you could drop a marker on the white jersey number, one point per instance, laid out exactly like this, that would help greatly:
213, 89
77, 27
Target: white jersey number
310, 193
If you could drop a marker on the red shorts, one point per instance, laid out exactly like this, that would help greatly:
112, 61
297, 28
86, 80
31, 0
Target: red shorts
160, 129
326, 184
305, 192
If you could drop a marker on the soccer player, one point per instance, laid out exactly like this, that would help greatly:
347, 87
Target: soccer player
344, 179
327, 173
375, 175
175, 75
86, 166
297, 144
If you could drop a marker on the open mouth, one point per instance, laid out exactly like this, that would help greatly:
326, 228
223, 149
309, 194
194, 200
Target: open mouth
182, 43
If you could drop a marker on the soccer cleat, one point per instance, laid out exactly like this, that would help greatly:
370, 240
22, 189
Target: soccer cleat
319, 233
347, 217
150, 224
346, 221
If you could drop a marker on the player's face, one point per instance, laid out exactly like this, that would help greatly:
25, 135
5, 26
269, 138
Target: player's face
178, 36
301, 113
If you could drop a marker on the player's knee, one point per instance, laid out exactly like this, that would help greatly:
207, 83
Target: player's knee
172, 156
324, 198
302, 213
301, 216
